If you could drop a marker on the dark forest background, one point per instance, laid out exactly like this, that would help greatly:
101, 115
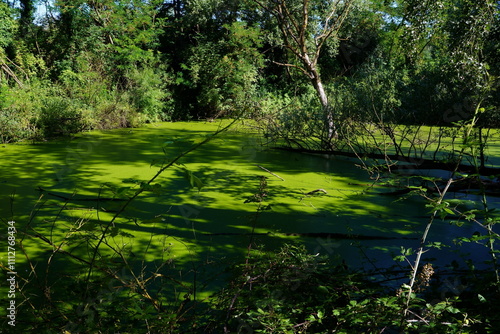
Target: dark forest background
68, 66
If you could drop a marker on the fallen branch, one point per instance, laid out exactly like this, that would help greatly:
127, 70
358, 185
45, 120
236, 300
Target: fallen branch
316, 235
10, 73
71, 198
315, 191
409, 162
267, 170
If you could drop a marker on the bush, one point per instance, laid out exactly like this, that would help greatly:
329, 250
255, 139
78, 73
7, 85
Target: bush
146, 93
287, 292
296, 121
15, 127
59, 116
18, 113
115, 115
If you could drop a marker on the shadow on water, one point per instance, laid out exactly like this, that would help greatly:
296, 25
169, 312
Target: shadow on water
200, 232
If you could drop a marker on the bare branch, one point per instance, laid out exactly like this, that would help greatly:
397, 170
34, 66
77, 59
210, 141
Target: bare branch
297, 30
294, 66
305, 20
335, 27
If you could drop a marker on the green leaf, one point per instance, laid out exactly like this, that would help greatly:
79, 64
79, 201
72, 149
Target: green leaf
113, 232
406, 251
419, 188
399, 258
323, 289
449, 211
122, 190
452, 309
193, 180
457, 223
156, 189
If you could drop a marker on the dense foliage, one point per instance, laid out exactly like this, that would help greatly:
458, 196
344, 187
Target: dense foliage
312, 74
68, 66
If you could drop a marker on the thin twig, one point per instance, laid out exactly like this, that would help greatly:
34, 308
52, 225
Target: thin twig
267, 170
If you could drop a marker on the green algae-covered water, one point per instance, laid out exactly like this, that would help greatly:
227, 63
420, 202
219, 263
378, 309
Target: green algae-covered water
200, 216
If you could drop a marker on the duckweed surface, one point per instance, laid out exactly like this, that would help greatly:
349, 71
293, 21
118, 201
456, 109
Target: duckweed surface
202, 215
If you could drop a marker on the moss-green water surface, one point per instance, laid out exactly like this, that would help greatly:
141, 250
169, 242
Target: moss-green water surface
62, 190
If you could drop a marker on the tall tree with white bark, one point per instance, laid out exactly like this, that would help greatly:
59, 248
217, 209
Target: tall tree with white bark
305, 27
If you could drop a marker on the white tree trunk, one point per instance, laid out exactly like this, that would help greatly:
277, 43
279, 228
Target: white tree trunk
318, 85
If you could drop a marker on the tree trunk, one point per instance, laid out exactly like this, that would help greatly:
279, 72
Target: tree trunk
320, 90
305, 40
318, 85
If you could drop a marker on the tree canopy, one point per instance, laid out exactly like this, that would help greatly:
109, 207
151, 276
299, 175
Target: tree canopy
120, 63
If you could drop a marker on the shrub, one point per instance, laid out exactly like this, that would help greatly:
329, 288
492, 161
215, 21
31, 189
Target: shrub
59, 116
146, 93
15, 127
287, 292
18, 113
114, 115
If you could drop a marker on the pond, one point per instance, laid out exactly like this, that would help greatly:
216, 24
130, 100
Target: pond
63, 189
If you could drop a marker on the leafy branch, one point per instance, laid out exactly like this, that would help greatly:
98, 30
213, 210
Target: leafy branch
439, 205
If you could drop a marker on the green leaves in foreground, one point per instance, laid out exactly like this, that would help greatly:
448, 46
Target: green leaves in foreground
442, 209
193, 180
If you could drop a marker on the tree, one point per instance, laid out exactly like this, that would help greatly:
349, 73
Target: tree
306, 26
8, 27
27, 14
444, 47
213, 49
226, 71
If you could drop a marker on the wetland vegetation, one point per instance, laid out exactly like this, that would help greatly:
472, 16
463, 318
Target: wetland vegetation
249, 166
